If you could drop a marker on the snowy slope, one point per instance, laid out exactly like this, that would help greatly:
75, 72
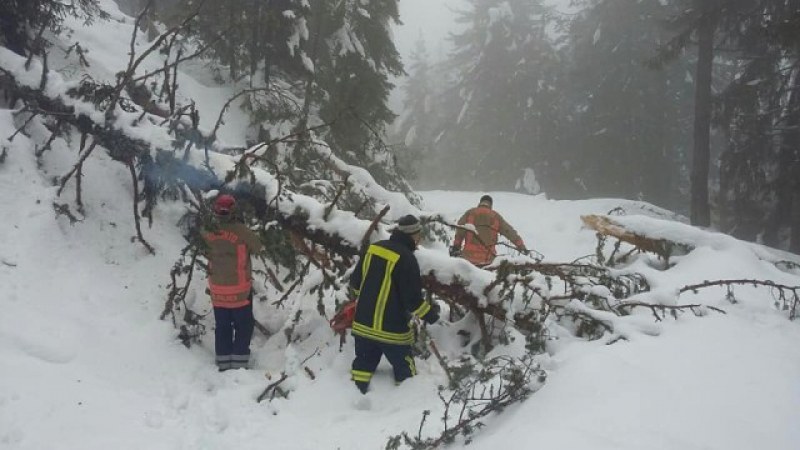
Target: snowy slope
717, 382
86, 364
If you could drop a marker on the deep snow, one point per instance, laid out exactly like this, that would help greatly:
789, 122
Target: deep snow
86, 364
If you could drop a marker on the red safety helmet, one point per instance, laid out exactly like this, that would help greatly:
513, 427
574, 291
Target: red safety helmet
224, 204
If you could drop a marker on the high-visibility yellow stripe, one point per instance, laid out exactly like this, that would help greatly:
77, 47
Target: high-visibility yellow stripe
364, 269
383, 336
387, 334
391, 258
383, 297
384, 253
423, 309
411, 365
361, 375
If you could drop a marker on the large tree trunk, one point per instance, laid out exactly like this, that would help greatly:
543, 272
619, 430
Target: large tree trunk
794, 245
786, 185
700, 209
316, 37
791, 145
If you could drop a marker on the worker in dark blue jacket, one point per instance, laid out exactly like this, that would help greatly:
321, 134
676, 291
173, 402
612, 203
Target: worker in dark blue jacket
388, 284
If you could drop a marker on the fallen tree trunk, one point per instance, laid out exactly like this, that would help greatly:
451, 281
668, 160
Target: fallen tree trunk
125, 148
605, 226
120, 146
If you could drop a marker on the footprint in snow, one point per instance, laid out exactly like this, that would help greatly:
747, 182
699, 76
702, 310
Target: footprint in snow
45, 349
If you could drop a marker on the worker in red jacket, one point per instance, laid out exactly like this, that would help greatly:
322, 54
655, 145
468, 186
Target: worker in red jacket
230, 245
479, 246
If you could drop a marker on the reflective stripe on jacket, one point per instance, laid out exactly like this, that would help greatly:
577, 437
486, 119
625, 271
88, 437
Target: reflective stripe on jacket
389, 288
479, 249
229, 268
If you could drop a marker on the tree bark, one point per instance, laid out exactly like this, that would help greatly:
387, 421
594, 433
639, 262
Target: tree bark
791, 145
785, 212
700, 208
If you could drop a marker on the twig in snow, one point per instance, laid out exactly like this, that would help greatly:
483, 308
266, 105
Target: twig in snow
136, 219
24, 125
272, 388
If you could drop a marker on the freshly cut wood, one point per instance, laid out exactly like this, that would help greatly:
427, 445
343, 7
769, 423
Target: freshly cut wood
606, 226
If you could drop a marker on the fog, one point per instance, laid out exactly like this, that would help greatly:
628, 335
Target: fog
588, 98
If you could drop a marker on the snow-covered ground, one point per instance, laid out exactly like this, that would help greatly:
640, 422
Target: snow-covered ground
85, 364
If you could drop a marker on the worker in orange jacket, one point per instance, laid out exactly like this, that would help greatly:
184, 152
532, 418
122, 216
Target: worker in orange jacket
230, 283
479, 246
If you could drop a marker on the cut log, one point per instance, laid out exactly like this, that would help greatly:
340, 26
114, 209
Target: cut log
605, 226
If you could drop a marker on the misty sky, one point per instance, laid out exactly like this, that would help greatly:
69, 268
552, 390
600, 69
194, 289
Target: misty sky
433, 20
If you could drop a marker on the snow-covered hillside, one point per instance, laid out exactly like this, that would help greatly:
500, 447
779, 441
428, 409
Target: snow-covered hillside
86, 364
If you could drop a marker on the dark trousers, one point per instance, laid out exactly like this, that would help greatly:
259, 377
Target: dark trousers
234, 328
368, 355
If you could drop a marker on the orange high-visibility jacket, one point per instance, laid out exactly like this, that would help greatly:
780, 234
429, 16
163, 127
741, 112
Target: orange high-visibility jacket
480, 249
229, 270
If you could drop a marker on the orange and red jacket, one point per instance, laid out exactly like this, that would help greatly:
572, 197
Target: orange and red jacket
229, 271
479, 249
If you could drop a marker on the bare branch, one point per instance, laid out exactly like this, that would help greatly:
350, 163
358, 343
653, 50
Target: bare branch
271, 389
24, 125
136, 218
373, 226
78, 166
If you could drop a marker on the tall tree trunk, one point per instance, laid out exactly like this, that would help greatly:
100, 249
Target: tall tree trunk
794, 243
786, 185
700, 209
791, 144
233, 68
311, 77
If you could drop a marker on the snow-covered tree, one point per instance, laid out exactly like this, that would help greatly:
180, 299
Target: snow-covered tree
353, 56
417, 122
505, 69
23, 22
630, 137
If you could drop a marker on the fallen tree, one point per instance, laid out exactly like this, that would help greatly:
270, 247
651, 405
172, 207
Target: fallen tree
607, 227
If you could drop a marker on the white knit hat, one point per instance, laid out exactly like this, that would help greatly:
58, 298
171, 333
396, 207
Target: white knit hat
409, 224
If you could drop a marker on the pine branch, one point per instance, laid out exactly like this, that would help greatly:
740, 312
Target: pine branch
696, 309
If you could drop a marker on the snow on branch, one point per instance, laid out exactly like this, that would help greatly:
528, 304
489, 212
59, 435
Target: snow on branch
667, 238
787, 298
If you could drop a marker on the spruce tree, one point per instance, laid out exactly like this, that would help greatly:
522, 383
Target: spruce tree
759, 161
353, 56
504, 94
418, 120
629, 140
23, 22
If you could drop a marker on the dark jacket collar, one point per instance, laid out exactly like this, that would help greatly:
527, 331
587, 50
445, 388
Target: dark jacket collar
403, 239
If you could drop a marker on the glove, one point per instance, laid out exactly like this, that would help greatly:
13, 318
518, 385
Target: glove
433, 315
455, 252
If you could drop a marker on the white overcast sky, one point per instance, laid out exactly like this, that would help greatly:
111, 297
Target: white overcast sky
432, 19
